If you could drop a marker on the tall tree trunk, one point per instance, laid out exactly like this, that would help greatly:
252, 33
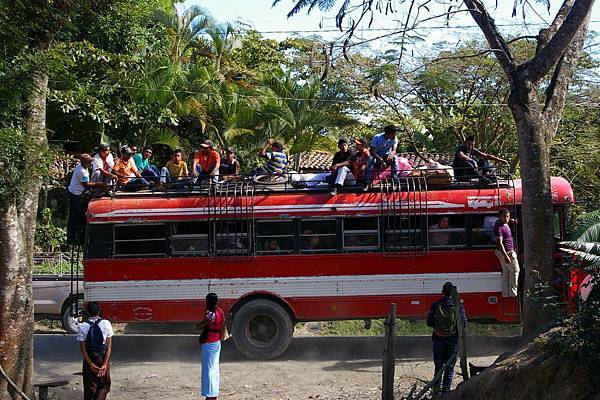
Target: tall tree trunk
18, 218
536, 218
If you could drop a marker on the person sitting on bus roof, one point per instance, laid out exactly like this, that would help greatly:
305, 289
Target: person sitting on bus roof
142, 163
470, 162
360, 159
176, 171
339, 166
437, 236
126, 171
102, 165
80, 181
383, 153
134, 149
229, 164
206, 163
277, 160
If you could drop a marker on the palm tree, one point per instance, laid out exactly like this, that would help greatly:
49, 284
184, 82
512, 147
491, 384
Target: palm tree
587, 245
183, 27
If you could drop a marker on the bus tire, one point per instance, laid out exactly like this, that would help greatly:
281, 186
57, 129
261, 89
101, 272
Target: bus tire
262, 330
70, 322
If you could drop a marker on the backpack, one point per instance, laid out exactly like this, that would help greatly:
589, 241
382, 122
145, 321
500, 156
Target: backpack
94, 341
444, 320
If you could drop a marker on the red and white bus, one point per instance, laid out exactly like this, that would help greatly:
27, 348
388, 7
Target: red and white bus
277, 257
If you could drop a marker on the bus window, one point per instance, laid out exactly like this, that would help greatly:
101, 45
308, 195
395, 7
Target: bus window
404, 232
140, 240
482, 230
273, 237
99, 241
189, 238
361, 233
447, 232
231, 237
318, 235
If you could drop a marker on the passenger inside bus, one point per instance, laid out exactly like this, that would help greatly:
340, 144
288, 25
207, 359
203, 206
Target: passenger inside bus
271, 245
438, 236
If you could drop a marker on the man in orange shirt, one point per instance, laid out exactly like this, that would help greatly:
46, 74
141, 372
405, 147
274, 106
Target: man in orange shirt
127, 173
206, 163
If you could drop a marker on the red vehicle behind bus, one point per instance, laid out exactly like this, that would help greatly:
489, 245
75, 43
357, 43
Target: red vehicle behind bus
279, 257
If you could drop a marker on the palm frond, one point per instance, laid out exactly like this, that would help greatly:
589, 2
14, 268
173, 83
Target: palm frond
588, 252
588, 227
165, 137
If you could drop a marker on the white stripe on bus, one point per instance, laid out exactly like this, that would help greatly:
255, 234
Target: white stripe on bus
309, 286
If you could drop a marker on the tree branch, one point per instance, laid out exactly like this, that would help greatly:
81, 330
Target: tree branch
548, 56
492, 35
556, 93
546, 34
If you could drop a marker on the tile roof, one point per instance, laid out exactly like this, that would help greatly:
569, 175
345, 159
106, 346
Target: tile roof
319, 160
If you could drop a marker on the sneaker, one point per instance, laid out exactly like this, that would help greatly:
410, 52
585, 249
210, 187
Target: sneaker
333, 192
484, 181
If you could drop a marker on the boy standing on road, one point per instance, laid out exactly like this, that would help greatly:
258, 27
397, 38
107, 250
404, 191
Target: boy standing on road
95, 342
443, 319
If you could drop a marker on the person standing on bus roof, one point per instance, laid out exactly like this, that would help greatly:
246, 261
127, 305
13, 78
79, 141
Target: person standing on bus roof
505, 251
126, 171
383, 153
339, 166
212, 326
471, 162
102, 165
80, 181
206, 163
443, 319
95, 342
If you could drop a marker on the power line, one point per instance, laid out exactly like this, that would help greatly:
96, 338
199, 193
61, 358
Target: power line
434, 27
265, 96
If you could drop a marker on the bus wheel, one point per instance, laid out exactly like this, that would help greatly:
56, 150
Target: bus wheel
262, 330
69, 319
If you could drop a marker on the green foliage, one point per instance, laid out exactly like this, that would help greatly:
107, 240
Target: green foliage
49, 237
14, 147
586, 247
578, 339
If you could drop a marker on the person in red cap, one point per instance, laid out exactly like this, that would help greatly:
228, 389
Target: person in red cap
206, 163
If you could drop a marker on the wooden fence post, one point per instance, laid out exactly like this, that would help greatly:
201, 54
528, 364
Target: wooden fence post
462, 339
389, 356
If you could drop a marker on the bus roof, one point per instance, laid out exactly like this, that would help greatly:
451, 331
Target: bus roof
192, 206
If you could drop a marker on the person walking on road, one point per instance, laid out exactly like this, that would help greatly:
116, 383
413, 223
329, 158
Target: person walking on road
442, 317
212, 326
95, 342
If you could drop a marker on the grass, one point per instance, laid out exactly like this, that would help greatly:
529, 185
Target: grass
407, 328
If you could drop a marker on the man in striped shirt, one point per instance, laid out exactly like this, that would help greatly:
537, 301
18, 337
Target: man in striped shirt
277, 160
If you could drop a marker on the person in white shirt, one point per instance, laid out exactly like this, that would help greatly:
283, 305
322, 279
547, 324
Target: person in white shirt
102, 165
80, 181
96, 353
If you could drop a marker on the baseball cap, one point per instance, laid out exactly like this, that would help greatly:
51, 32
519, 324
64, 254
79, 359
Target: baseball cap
207, 143
360, 141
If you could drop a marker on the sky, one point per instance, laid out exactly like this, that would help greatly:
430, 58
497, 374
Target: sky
263, 17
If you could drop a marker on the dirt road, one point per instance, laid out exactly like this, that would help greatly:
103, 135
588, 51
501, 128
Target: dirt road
152, 367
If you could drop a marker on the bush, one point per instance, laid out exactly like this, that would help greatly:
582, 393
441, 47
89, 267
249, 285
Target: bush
49, 237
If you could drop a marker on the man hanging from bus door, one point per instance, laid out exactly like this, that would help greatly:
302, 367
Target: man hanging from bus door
443, 319
505, 251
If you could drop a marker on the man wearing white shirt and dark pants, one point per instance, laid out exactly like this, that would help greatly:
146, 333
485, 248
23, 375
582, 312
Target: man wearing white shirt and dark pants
95, 342
80, 181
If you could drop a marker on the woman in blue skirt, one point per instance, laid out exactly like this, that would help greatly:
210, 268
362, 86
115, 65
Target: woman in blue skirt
212, 325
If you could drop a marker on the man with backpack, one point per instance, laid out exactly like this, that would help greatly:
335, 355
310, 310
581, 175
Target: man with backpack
95, 341
443, 319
